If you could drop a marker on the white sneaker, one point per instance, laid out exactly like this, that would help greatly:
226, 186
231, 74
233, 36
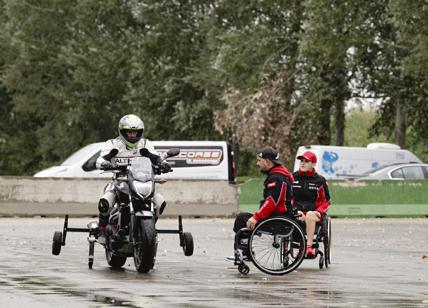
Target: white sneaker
230, 258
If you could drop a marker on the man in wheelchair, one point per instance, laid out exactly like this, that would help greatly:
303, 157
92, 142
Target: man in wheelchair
311, 196
277, 196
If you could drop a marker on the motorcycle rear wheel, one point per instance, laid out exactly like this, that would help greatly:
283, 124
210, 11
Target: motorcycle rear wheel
146, 245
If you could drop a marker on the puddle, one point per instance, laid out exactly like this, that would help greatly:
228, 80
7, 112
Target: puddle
43, 286
114, 301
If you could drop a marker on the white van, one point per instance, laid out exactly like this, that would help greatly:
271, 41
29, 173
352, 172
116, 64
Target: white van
335, 162
198, 160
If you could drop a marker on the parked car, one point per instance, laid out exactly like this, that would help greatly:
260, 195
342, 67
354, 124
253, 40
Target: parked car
336, 162
198, 160
399, 172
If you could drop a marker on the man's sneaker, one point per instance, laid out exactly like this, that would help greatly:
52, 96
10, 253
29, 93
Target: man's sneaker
230, 258
310, 253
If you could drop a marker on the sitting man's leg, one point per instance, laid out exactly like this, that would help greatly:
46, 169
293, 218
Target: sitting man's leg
310, 218
241, 221
239, 243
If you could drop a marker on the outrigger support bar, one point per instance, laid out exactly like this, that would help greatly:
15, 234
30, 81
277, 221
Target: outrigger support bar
179, 231
67, 229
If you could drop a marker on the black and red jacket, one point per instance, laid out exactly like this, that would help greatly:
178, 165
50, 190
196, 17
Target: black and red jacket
277, 193
310, 192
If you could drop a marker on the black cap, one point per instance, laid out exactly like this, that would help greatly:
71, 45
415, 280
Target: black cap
271, 154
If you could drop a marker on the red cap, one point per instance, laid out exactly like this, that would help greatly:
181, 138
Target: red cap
309, 156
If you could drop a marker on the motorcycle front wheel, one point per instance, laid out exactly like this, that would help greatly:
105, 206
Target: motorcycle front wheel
145, 245
114, 261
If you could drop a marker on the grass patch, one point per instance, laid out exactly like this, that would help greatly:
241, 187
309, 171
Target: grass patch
356, 197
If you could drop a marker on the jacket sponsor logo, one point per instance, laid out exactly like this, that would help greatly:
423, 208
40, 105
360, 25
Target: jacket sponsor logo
194, 156
270, 185
121, 161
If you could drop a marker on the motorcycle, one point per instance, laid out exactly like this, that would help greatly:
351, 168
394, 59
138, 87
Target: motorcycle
131, 230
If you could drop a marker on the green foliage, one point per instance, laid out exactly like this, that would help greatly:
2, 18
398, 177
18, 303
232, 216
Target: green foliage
358, 124
70, 69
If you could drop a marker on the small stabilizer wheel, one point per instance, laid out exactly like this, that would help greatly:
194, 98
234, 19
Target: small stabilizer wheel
56, 243
243, 269
188, 244
321, 262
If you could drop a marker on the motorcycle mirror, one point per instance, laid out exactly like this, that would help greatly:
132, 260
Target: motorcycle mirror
173, 152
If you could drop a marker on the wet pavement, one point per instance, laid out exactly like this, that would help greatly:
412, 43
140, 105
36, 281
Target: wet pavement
375, 263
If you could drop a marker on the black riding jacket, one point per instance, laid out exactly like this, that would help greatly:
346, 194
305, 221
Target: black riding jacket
277, 193
310, 192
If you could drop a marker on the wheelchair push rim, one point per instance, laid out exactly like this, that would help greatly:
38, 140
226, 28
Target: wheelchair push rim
327, 241
277, 246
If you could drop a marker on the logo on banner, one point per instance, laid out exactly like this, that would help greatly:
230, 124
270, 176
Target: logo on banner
195, 157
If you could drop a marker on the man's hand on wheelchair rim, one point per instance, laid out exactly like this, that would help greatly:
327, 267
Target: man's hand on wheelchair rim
251, 223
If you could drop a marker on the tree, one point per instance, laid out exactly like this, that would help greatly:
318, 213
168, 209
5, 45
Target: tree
34, 33
267, 117
256, 64
324, 54
172, 79
411, 22
387, 58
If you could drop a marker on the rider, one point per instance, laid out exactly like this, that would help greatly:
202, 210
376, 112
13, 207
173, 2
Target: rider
311, 196
129, 143
277, 192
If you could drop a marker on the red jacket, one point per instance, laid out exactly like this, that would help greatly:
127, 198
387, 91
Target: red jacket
277, 194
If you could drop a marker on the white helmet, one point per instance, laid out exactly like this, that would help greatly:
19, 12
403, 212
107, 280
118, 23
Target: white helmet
131, 130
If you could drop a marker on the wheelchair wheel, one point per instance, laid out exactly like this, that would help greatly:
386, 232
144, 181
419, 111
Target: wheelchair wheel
277, 246
327, 240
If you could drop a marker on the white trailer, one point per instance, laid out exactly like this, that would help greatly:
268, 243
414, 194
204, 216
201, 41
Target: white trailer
336, 162
198, 160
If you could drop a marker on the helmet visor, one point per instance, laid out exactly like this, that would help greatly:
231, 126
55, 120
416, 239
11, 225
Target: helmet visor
132, 135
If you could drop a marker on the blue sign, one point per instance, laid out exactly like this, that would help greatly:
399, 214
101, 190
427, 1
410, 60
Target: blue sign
328, 159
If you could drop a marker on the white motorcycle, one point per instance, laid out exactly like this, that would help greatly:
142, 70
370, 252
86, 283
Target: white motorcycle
131, 230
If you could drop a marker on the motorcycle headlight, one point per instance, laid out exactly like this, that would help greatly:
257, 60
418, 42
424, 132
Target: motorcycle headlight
143, 189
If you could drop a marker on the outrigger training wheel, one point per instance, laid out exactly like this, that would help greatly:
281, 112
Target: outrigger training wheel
56, 243
188, 243
243, 269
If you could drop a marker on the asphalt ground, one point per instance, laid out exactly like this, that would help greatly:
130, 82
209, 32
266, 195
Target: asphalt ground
375, 263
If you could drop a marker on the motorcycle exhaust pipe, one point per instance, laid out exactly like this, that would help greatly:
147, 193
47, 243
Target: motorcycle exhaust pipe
159, 202
106, 201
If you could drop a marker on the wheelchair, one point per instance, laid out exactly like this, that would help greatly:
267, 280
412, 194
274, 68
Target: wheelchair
277, 245
322, 241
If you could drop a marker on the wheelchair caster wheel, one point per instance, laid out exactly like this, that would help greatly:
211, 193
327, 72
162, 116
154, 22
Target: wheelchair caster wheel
243, 269
321, 262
